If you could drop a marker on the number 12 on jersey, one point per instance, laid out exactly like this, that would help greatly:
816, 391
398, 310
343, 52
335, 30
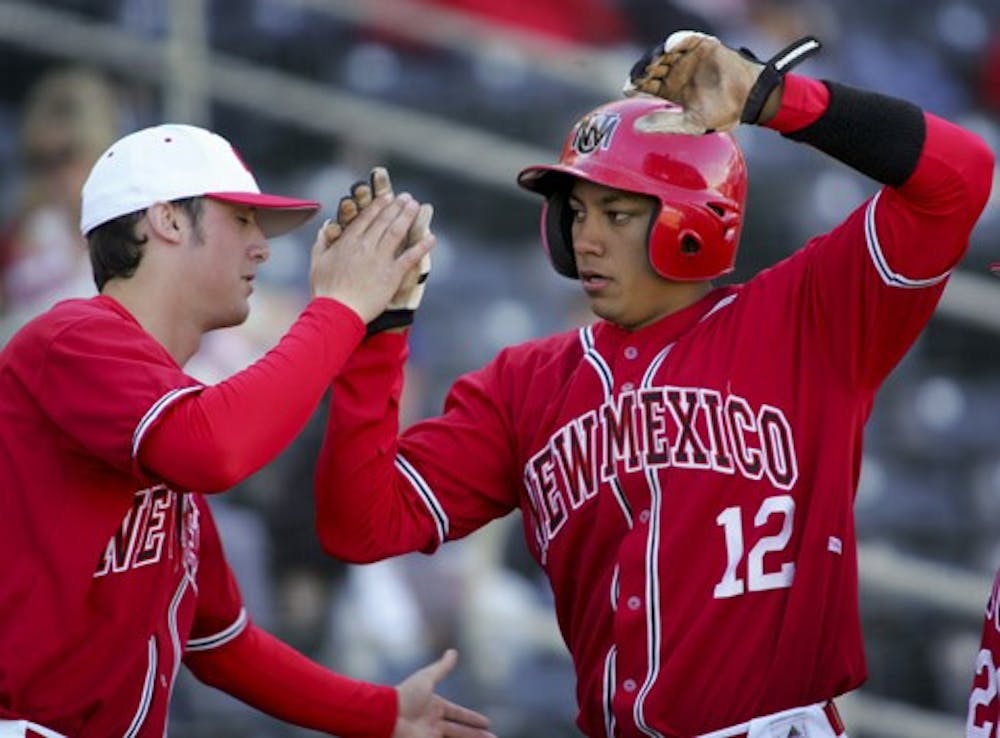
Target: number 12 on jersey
757, 580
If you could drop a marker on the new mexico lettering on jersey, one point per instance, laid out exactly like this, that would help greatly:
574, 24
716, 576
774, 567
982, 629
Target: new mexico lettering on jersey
154, 517
684, 427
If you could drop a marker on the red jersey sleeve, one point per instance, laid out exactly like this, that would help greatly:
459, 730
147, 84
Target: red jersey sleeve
96, 375
116, 392
445, 477
866, 289
270, 675
211, 440
229, 652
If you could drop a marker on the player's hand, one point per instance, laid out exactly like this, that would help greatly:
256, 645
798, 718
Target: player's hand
423, 714
403, 305
360, 258
710, 81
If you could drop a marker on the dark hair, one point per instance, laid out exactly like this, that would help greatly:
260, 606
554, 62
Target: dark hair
116, 249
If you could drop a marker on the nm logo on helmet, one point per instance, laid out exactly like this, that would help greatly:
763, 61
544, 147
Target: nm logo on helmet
595, 132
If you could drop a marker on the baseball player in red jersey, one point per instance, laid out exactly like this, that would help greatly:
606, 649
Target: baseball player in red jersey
983, 720
114, 572
686, 466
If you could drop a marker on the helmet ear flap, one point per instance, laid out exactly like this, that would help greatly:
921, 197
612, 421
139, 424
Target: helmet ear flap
693, 242
557, 222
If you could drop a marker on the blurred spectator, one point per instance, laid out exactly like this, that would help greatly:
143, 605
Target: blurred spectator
989, 81
595, 22
69, 118
651, 21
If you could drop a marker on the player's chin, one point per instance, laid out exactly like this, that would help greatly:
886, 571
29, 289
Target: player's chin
237, 314
603, 309
241, 313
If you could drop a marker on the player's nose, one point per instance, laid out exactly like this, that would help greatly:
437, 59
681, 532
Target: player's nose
260, 250
587, 237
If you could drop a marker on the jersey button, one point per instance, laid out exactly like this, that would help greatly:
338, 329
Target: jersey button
644, 516
628, 387
631, 352
629, 685
634, 603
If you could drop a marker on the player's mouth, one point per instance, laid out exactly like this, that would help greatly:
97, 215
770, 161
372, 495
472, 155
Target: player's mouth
593, 281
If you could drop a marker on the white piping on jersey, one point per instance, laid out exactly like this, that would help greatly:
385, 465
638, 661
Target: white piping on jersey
603, 371
724, 302
626, 508
175, 638
423, 490
609, 692
155, 411
206, 643
654, 366
596, 360
653, 634
891, 278
615, 589
147, 691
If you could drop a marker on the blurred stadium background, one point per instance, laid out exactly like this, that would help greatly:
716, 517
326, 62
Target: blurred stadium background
455, 96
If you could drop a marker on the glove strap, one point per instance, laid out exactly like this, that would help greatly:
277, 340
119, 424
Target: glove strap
390, 319
774, 69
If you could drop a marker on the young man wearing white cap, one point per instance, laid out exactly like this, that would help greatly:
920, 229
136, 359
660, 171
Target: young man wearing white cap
114, 570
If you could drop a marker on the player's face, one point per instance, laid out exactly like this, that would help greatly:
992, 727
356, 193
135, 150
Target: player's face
225, 251
610, 231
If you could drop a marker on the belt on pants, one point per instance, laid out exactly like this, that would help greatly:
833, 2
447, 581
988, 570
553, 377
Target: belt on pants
823, 715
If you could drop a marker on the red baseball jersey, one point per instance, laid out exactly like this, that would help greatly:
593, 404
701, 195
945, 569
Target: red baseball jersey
110, 577
984, 702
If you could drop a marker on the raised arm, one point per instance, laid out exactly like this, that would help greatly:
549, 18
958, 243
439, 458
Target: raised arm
866, 288
212, 439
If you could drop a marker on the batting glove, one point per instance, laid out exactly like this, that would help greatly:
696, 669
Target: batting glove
403, 306
716, 87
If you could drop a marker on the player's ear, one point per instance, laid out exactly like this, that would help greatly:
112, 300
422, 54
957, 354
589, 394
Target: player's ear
163, 221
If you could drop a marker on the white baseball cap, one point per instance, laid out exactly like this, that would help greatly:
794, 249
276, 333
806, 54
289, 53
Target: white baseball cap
175, 161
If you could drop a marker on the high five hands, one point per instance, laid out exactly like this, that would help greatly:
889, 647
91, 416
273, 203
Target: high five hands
356, 212
376, 254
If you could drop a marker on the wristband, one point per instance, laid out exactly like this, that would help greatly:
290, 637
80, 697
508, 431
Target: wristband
774, 69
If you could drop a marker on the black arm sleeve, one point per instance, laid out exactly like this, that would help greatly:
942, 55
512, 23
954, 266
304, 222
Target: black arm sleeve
878, 135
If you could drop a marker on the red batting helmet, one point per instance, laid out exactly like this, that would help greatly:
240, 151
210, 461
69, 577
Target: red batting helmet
700, 182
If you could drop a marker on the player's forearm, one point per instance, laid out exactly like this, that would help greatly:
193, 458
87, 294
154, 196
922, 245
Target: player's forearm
266, 673
211, 440
365, 510
370, 515
888, 139
940, 174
